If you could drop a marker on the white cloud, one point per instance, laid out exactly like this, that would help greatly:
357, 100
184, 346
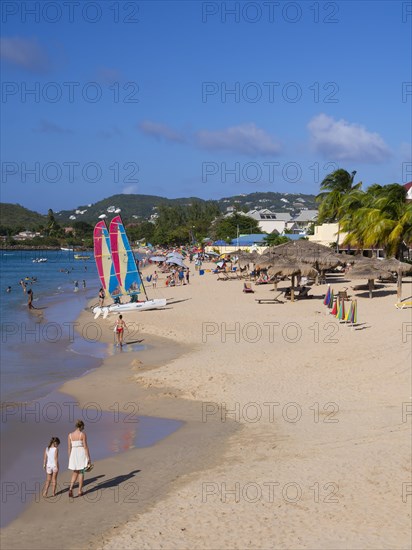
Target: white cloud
246, 139
342, 140
25, 53
160, 131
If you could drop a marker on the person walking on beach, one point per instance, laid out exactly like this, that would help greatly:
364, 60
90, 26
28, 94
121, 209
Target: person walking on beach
51, 465
187, 276
120, 328
79, 456
155, 277
30, 299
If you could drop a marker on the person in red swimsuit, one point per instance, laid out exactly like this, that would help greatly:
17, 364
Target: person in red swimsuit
120, 328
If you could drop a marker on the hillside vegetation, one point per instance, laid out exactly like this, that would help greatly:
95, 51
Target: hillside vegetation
17, 216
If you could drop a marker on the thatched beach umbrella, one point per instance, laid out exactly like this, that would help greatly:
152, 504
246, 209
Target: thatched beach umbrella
387, 265
264, 261
288, 268
246, 258
394, 265
363, 270
306, 252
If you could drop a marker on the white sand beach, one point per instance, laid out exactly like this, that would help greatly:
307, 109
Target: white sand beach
297, 435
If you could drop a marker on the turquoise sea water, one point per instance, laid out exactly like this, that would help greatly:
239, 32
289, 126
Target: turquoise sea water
40, 348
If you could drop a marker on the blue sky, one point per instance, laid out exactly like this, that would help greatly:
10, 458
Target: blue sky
204, 99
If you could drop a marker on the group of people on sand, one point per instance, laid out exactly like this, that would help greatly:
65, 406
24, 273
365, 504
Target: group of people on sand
79, 460
178, 277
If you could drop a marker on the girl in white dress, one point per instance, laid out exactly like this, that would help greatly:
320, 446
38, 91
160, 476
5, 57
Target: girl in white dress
79, 456
51, 465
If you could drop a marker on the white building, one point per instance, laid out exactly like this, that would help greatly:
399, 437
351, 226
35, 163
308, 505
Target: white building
24, 235
270, 222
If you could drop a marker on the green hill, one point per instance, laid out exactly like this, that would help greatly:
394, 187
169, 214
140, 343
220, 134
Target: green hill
133, 208
140, 207
17, 216
276, 202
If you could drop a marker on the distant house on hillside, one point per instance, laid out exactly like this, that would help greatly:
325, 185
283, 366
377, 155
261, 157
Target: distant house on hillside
24, 235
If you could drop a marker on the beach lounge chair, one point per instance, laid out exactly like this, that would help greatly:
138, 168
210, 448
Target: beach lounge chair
403, 305
247, 287
274, 300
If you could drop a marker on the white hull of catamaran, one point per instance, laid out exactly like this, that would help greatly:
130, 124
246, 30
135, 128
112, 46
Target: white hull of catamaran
135, 306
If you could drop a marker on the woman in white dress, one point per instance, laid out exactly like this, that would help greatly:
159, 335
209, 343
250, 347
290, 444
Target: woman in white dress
79, 456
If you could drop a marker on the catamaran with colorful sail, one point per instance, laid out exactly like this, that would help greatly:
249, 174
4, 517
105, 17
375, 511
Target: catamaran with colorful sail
118, 271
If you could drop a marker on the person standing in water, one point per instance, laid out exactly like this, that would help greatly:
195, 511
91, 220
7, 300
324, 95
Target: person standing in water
120, 328
30, 299
79, 456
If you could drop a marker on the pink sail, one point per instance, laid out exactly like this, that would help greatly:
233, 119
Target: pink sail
99, 246
103, 258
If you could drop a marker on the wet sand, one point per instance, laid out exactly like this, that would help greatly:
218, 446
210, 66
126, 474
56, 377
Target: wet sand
122, 485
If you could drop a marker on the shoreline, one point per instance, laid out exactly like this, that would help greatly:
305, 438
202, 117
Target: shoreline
179, 452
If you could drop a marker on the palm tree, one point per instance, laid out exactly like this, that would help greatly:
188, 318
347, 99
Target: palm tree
336, 187
379, 217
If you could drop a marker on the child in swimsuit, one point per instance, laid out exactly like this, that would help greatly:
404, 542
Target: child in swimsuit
51, 465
